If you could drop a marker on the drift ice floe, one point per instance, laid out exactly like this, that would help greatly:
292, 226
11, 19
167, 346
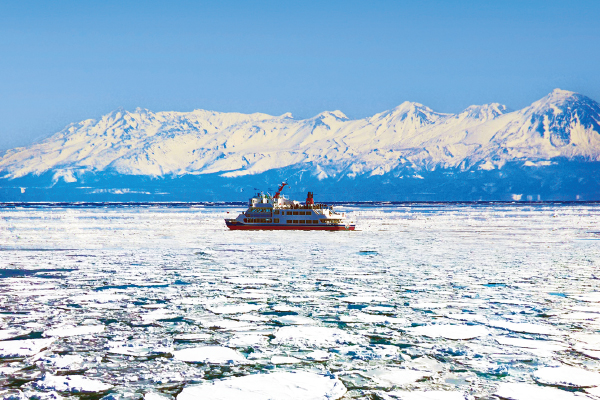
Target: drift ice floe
266, 212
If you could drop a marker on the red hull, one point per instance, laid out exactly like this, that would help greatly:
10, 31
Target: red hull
244, 227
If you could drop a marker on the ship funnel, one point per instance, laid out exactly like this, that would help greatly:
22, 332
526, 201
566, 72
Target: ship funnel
309, 199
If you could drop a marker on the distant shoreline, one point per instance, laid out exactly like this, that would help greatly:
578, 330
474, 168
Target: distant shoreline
215, 204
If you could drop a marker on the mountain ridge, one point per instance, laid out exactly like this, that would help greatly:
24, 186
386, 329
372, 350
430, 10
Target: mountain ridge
406, 141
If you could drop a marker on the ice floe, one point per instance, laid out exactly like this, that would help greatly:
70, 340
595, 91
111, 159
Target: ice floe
567, 376
391, 377
71, 384
527, 391
209, 355
23, 348
294, 320
426, 395
65, 331
249, 339
313, 336
279, 360
297, 385
372, 319
531, 343
234, 309
454, 332
12, 333
526, 327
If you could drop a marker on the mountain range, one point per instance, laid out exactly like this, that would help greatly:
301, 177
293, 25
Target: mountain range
549, 150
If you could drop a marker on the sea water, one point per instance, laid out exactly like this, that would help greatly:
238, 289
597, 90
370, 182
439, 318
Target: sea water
422, 301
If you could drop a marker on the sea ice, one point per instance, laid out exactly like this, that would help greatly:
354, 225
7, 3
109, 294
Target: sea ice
566, 376
454, 332
525, 327
23, 348
209, 355
440, 272
234, 309
71, 384
372, 319
313, 336
391, 377
278, 360
426, 395
527, 391
318, 355
12, 333
68, 362
247, 340
192, 337
67, 330
531, 343
363, 299
296, 385
294, 320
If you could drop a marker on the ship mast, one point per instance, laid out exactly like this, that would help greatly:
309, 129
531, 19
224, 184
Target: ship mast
279, 190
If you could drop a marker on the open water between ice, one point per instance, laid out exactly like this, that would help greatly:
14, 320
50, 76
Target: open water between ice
443, 301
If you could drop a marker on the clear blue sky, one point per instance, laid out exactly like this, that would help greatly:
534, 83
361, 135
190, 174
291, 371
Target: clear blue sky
64, 61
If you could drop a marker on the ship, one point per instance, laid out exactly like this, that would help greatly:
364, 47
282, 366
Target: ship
266, 212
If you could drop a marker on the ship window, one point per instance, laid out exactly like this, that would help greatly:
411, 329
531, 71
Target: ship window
245, 219
268, 220
295, 212
263, 220
276, 220
276, 212
289, 213
295, 221
289, 221
301, 221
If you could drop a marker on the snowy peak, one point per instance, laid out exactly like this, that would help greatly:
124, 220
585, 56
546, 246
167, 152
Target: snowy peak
484, 112
562, 117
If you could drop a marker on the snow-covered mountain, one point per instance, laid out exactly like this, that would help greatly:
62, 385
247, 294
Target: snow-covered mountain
407, 142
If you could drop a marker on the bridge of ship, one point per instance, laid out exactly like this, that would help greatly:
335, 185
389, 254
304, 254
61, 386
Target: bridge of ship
299, 214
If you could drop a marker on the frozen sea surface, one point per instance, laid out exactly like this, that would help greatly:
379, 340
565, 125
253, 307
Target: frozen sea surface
421, 302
